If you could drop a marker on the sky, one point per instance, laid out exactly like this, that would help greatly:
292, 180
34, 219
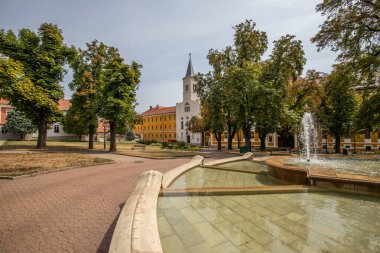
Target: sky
160, 34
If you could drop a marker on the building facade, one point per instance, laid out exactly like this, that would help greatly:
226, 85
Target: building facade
54, 132
158, 124
189, 107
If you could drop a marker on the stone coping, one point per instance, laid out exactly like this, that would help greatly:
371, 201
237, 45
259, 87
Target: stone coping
246, 156
171, 175
136, 229
221, 191
325, 173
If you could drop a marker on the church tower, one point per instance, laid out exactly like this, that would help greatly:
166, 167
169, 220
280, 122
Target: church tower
188, 108
188, 83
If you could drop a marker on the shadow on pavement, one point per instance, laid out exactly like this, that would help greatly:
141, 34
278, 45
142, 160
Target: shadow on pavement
106, 241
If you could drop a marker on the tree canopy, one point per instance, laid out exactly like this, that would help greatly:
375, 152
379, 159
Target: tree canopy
30, 75
18, 123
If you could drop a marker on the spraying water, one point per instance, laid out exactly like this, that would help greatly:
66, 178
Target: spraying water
308, 138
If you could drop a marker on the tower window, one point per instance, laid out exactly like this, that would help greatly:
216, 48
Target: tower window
187, 87
187, 107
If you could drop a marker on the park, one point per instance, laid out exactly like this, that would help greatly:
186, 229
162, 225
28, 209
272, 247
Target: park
266, 139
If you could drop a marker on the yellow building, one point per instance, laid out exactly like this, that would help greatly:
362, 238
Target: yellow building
159, 124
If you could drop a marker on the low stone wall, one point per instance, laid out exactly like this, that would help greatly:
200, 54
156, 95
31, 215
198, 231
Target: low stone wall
136, 229
246, 156
171, 175
323, 177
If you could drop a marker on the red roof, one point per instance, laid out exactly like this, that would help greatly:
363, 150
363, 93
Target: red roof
63, 104
159, 110
101, 128
4, 102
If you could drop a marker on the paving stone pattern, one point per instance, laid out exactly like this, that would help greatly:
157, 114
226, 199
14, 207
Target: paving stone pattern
69, 211
298, 222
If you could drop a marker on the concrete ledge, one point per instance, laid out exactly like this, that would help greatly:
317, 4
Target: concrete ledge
246, 156
136, 229
171, 175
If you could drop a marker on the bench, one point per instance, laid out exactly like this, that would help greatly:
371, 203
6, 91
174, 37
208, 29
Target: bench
281, 151
137, 146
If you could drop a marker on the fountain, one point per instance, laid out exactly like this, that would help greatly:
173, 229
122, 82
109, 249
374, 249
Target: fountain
308, 138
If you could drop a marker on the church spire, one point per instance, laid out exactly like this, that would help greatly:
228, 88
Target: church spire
190, 70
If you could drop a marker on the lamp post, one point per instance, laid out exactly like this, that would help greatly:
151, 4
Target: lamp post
249, 136
105, 125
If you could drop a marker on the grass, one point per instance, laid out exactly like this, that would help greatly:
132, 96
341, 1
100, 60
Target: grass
150, 151
57, 145
30, 163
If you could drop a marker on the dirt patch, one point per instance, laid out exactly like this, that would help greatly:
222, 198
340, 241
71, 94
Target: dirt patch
29, 163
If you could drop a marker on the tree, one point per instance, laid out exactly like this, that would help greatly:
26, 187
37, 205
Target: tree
272, 110
30, 76
129, 135
88, 67
208, 88
338, 107
117, 93
368, 117
352, 28
196, 125
18, 123
73, 123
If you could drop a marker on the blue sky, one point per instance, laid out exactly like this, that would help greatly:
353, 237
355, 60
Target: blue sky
160, 34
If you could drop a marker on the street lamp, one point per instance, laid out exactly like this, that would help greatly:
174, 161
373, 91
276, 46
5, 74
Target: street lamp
105, 126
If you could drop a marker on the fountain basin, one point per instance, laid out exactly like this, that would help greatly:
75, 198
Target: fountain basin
322, 177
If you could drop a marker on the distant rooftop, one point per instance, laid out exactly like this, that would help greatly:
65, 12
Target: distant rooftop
159, 110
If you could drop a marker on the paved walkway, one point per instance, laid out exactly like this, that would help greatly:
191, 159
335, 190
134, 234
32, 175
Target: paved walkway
70, 211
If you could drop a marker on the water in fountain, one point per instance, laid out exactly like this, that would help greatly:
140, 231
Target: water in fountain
308, 138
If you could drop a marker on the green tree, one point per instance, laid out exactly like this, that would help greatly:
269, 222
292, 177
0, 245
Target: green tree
18, 123
352, 28
368, 117
338, 107
196, 125
88, 67
129, 135
117, 93
30, 76
73, 123
208, 88
272, 110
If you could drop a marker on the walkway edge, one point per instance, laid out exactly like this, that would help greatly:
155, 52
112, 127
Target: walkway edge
246, 156
171, 175
136, 229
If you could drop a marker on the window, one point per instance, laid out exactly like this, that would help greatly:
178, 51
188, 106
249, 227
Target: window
3, 130
187, 87
181, 124
324, 134
367, 148
270, 139
347, 146
169, 117
368, 135
187, 107
56, 128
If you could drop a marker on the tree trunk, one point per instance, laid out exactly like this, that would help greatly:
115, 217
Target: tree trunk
42, 133
113, 136
229, 139
90, 140
337, 143
247, 135
262, 141
202, 139
238, 136
218, 137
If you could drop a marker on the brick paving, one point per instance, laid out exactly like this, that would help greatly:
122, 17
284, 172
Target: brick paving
69, 211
